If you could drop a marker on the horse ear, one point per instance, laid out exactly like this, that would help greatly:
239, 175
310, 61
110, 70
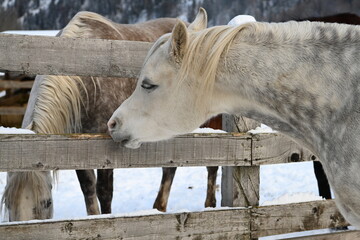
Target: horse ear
200, 21
179, 40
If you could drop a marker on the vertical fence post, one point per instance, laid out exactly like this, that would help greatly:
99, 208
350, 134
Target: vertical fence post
240, 185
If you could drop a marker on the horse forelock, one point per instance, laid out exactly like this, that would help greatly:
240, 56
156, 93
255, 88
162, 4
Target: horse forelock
38, 182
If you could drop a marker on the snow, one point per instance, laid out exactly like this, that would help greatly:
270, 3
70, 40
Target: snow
241, 19
34, 33
262, 129
8, 3
293, 198
135, 190
207, 130
6, 130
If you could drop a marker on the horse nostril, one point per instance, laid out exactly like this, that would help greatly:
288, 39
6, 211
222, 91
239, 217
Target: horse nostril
124, 141
111, 124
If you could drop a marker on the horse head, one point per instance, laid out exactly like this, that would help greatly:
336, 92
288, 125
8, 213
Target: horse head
165, 102
28, 196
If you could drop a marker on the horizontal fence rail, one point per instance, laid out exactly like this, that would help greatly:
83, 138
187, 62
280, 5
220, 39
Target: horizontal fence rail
86, 151
15, 84
74, 57
236, 223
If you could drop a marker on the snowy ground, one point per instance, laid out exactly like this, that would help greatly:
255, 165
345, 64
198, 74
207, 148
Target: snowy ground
136, 189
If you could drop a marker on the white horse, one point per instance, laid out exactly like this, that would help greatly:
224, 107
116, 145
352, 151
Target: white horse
300, 78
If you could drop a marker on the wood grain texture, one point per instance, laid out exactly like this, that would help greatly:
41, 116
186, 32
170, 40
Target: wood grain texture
66, 56
237, 223
196, 225
49, 152
248, 183
295, 218
275, 148
240, 185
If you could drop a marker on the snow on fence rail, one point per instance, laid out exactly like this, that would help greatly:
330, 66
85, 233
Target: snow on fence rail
60, 56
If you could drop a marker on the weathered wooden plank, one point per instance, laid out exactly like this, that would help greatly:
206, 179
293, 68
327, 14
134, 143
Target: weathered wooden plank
248, 187
248, 182
48, 152
295, 217
235, 223
234, 186
343, 235
15, 84
65, 56
221, 224
276, 148
12, 110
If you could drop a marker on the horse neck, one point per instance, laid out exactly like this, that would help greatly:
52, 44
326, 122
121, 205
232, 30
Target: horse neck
291, 82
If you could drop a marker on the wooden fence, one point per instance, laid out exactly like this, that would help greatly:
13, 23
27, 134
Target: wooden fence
50, 55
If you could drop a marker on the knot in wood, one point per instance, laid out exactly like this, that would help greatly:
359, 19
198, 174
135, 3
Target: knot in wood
182, 218
295, 157
39, 165
68, 227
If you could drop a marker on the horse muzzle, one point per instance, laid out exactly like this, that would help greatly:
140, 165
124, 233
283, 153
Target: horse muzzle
115, 131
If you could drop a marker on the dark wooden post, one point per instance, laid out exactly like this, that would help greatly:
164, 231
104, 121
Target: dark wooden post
240, 185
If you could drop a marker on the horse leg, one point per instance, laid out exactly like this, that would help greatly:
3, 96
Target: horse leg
87, 182
104, 189
164, 191
323, 184
211, 187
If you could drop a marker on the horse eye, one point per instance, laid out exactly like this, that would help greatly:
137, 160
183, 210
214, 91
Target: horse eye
148, 86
